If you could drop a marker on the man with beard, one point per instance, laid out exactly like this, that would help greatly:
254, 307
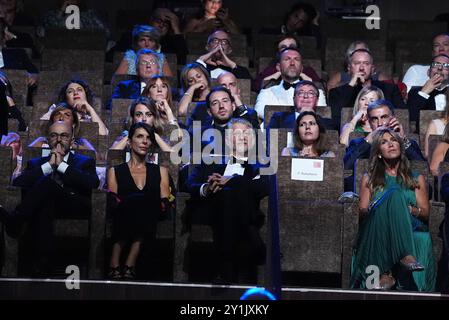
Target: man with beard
217, 59
431, 96
290, 65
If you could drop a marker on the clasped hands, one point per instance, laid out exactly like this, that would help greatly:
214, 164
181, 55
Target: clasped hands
215, 183
56, 156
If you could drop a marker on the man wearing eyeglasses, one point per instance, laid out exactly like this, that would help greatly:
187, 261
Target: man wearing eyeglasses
305, 98
417, 74
291, 68
431, 96
217, 59
148, 64
172, 40
56, 185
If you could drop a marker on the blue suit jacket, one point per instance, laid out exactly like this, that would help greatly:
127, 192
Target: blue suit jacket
280, 120
360, 149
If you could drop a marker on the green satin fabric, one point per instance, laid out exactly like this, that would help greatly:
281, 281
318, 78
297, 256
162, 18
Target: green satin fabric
389, 233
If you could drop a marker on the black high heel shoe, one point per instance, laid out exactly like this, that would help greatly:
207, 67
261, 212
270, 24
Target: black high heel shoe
114, 273
129, 273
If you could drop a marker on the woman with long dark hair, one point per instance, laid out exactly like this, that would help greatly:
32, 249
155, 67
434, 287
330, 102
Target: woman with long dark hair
308, 138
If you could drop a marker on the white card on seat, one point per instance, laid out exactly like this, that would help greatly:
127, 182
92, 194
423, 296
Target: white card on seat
307, 169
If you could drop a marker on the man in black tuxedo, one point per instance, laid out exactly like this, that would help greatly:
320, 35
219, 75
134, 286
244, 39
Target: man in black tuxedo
55, 185
361, 67
431, 96
149, 63
220, 106
230, 82
305, 98
226, 195
217, 59
380, 115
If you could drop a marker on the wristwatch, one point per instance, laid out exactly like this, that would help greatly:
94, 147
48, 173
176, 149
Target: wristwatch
407, 143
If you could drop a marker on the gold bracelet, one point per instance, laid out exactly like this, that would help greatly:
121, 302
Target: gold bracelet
187, 94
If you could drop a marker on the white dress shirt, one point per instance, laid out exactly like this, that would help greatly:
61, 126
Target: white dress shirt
278, 96
440, 99
416, 76
143, 85
2, 62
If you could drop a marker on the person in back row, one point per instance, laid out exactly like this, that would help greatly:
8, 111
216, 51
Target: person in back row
291, 68
361, 67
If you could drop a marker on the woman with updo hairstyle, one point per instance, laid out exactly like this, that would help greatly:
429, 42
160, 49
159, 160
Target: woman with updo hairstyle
141, 190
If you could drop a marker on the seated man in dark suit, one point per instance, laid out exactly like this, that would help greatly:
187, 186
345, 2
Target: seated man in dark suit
230, 82
305, 98
56, 185
149, 63
15, 58
361, 68
431, 96
226, 195
220, 106
380, 115
217, 59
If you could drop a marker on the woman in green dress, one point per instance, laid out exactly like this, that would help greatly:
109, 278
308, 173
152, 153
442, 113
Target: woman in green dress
394, 209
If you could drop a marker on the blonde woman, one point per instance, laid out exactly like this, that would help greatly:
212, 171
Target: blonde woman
359, 121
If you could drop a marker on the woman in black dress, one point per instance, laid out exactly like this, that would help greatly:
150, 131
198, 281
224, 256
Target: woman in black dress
142, 191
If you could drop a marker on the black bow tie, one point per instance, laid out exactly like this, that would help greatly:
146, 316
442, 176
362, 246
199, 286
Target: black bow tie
443, 91
239, 161
288, 85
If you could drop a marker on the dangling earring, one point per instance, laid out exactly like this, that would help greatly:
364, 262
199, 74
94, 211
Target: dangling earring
380, 157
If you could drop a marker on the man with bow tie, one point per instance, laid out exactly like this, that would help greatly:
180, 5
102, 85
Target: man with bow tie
431, 96
305, 98
290, 65
56, 185
226, 195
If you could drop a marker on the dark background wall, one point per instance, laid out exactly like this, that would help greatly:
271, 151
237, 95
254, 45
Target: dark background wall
261, 13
